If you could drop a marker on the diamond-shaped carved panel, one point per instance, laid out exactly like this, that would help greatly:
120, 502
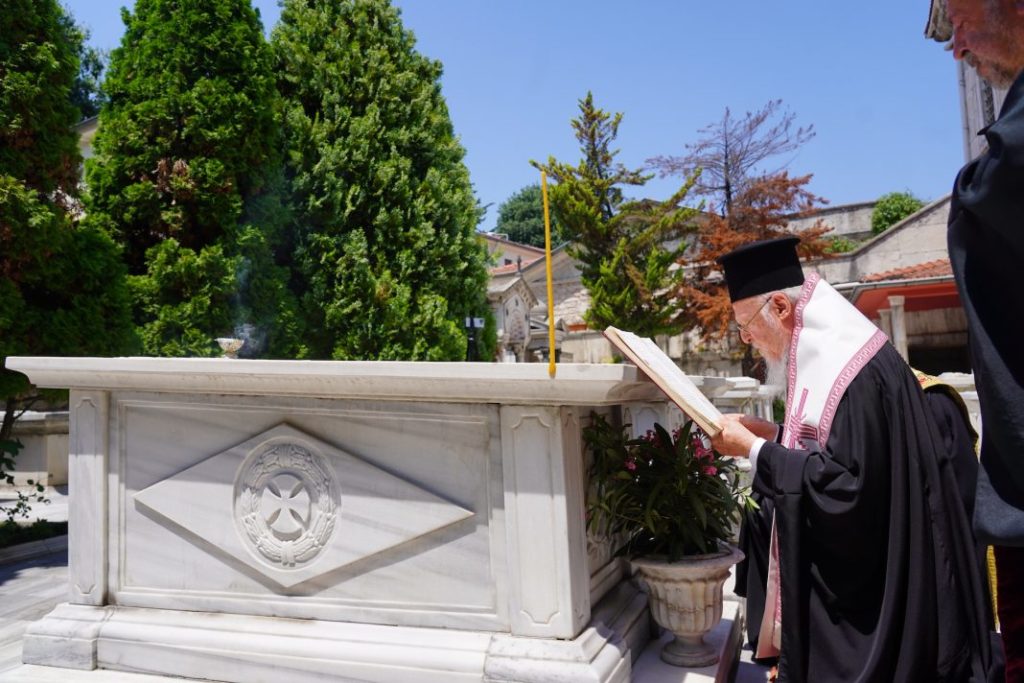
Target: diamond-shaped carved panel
294, 507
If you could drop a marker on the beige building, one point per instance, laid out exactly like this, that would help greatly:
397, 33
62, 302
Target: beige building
900, 279
505, 252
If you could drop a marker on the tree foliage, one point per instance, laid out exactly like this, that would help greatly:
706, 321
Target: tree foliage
521, 217
188, 175
37, 67
627, 250
760, 211
749, 203
840, 245
387, 250
731, 152
62, 289
891, 208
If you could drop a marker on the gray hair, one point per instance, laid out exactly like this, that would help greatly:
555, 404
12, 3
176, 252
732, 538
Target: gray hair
938, 27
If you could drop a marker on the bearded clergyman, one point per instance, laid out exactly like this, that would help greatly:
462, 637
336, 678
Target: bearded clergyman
871, 572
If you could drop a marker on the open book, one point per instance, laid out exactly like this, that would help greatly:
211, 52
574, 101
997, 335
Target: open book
646, 355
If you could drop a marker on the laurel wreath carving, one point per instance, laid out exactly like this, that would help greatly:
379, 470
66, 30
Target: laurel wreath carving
317, 478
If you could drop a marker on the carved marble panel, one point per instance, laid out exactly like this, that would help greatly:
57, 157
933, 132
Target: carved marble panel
549, 581
87, 478
292, 507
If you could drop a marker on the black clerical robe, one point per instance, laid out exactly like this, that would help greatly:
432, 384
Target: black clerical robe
986, 249
752, 571
879, 578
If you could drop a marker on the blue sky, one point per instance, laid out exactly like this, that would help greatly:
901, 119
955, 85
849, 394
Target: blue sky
882, 99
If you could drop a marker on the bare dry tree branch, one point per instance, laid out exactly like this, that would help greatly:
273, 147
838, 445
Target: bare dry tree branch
732, 152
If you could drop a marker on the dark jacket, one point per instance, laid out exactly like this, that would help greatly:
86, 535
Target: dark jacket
986, 248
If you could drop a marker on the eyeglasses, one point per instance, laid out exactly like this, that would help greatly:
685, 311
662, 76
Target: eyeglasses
743, 328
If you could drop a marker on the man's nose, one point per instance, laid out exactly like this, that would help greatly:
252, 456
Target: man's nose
959, 46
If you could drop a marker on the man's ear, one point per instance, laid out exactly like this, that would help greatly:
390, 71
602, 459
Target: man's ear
782, 305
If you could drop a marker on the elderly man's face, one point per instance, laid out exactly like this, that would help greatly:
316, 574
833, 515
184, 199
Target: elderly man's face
761, 324
989, 35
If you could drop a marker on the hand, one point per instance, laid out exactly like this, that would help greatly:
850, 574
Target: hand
734, 439
762, 428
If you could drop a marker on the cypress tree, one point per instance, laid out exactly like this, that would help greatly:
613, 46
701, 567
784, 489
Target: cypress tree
388, 253
188, 176
62, 289
38, 65
627, 250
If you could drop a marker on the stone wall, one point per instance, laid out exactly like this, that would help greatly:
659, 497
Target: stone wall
44, 455
916, 239
852, 221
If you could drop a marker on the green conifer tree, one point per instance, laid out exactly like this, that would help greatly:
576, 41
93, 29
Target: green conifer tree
627, 250
62, 289
388, 253
188, 175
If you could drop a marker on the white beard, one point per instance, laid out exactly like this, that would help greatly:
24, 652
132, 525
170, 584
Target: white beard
777, 372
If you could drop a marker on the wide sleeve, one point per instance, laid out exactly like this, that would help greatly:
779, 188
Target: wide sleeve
841, 492
958, 444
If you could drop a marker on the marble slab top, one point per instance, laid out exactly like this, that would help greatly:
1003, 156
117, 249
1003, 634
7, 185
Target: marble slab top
511, 383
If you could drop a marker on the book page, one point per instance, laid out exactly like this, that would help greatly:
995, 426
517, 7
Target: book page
646, 355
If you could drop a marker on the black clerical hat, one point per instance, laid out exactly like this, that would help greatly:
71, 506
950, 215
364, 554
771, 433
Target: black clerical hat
762, 267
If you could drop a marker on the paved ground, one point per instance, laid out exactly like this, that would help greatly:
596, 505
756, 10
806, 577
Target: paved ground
749, 672
28, 591
55, 511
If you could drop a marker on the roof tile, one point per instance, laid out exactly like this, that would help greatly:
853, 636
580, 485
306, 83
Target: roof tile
936, 268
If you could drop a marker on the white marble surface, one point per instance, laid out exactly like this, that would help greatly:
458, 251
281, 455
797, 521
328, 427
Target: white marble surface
574, 383
29, 673
354, 516
362, 510
254, 521
34, 588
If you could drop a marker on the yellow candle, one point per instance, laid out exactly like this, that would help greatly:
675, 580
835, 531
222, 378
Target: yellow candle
551, 293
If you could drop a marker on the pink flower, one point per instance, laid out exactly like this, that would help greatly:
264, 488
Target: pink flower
710, 470
631, 465
651, 437
701, 450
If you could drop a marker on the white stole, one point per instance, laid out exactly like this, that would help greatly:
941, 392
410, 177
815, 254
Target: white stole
831, 342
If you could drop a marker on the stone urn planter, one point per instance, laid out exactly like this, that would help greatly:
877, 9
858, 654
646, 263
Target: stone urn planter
686, 599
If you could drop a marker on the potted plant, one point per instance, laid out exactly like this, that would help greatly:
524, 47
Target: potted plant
672, 503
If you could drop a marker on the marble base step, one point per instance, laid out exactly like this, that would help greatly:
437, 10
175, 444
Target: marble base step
726, 637
76, 639
30, 673
648, 668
